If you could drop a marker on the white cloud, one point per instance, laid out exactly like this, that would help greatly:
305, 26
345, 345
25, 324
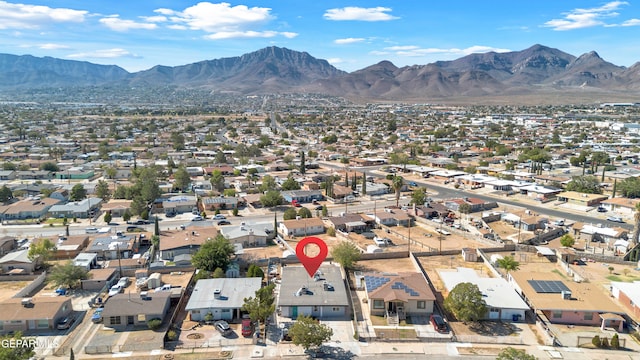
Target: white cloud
104, 54
412, 50
335, 61
360, 14
158, 18
117, 24
632, 22
24, 16
52, 46
221, 17
248, 34
584, 18
348, 41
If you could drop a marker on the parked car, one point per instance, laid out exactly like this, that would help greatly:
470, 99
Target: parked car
91, 230
247, 327
223, 327
197, 218
224, 222
615, 219
219, 217
134, 229
319, 207
438, 323
65, 323
123, 281
115, 289
602, 209
97, 315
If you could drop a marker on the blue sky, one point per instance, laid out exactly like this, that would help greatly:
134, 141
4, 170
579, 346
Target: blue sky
138, 34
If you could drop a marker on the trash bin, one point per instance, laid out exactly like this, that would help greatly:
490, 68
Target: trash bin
515, 317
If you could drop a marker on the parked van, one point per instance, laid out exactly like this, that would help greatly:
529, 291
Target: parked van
438, 323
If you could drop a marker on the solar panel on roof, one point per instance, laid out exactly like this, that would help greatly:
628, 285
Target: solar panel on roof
548, 286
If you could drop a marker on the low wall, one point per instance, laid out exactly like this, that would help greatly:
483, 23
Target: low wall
27, 290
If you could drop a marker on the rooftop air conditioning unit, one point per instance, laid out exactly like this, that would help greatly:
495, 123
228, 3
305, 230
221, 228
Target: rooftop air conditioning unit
217, 293
566, 295
26, 302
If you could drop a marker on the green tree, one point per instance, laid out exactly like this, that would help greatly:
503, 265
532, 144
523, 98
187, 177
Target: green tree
15, 352
178, 141
615, 342
5, 194
68, 275
9, 166
465, 302
303, 165
217, 180
510, 353
255, 271
261, 305
107, 217
156, 226
508, 263
309, 333
305, 213
218, 273
271, 198
42, 249
346, 254
126, 216
214, 253
584, 184
78, 193
396, 184
181, 179
290, 184
629, 187
102, 190
419, 196
268, 183
289, 214
49, 166
567, 240
635, 236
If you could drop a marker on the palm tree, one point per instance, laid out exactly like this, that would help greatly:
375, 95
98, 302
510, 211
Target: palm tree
508, 263
636, 226
397, 184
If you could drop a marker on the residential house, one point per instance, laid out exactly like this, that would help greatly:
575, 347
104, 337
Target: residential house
7, 244
223, 297
540, 192
114, 247
174, 243
503, 302
302, 227
620, 205
627, 294
393, 217
351, 223
249, 235
117, 207
100, 279
179, 205
18, 262
302, 196
475, 204
214, 203
397, 296
567, 302
69, 248
7, 175
60, 194
77, 209
86, 260
581, 199
33, 314
322, 296
32, 208
135, 310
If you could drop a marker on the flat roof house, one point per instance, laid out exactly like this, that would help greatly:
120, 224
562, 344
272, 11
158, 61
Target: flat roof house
33, 314
503, 302
302, 227
76, 209
322, 296
134, 310
223, 297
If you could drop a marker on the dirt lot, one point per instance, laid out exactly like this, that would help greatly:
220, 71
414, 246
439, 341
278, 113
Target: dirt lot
394, 265
10, 288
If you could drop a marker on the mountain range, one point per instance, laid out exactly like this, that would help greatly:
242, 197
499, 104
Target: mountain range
535, 70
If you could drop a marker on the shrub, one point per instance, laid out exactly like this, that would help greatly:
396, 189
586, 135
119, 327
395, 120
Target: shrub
596, 341
172, 335
154, 324
604, 343
331, 231
615, 342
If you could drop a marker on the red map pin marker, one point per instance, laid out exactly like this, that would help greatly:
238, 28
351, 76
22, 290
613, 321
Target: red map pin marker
311, 264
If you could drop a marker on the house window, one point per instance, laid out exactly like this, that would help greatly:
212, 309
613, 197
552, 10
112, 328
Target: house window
226, 310
1, 325
315, 308
195, 311
16, 321
557, 314
43, 324
114, 320
422, 304
588, 316
335, 309
378, 304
